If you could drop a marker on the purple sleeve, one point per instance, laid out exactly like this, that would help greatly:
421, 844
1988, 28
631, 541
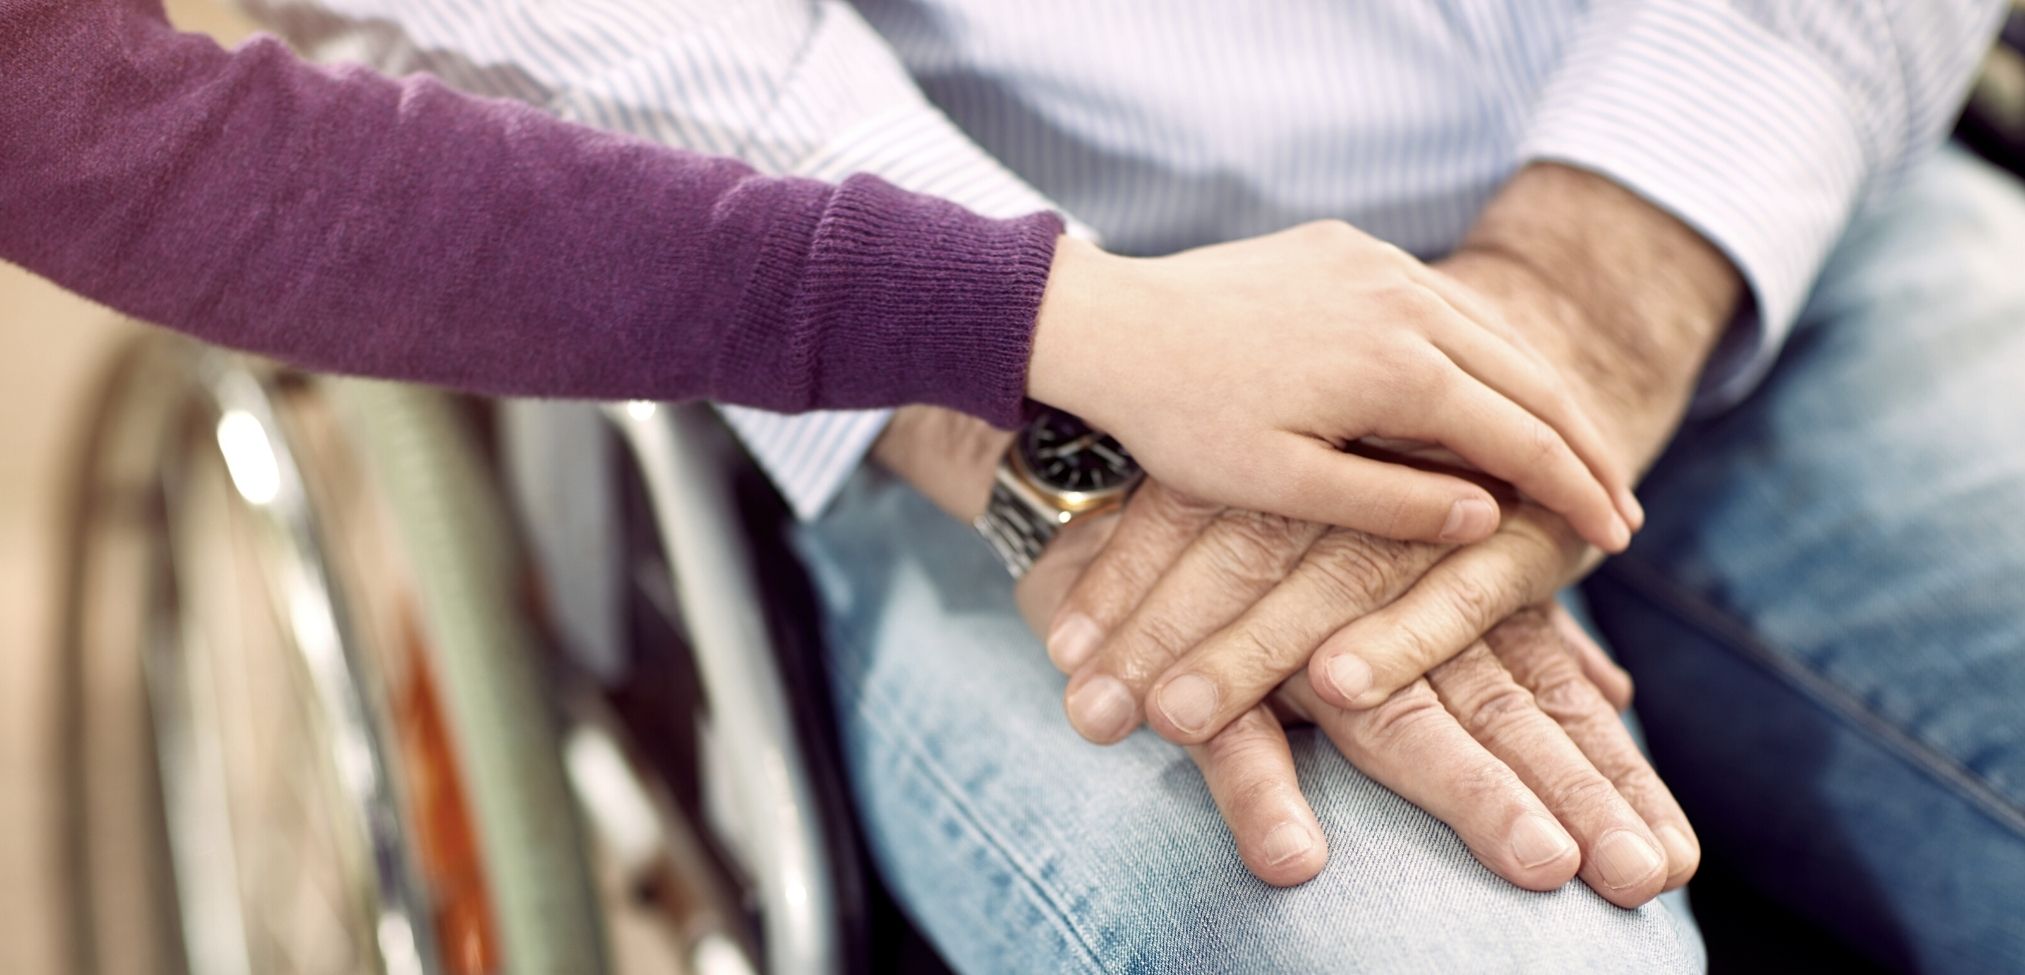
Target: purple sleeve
348, 222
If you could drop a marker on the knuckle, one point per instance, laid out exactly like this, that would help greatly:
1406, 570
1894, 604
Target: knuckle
1406, 646
1393, 515
1351, 572
1558, 395
1565, 695
1409, 300
1334, 239
1639, 784
1107, 594
1530, 625
1398, 372
1409, 356
1539, 441
1248, 739
1151, 642
1254, 652
1580, 788
1246, 662
1473, 600
1485, 784
1107, 587
1406, 716
1250, 546
1527, 643
1258, 789
1496, 711
1389, 250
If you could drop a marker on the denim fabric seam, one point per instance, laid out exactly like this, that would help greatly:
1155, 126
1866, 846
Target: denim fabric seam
1728, 631
1037, 891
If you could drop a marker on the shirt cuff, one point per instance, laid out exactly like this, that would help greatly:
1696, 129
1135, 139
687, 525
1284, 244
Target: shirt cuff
808, 456
1729, 127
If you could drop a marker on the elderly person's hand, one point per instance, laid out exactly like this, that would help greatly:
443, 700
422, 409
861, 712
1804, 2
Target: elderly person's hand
1515, 743
1518, 747
1404, 607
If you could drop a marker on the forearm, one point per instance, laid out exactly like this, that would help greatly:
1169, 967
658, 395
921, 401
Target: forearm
1625, 298
949, 457
349, 222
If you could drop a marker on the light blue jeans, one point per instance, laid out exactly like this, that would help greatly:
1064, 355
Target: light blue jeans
1019, 847
1826, 611
1826, 615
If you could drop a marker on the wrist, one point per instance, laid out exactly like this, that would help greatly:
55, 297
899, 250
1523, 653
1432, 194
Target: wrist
949, 457
1086, 296
1627, 301
1633, 394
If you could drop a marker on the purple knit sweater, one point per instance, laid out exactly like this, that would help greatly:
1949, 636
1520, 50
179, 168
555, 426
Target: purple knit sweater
348, 222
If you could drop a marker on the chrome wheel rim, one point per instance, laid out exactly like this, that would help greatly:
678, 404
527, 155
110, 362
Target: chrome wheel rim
286, 845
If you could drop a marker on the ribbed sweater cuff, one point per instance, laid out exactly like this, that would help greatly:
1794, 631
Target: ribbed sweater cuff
882, 297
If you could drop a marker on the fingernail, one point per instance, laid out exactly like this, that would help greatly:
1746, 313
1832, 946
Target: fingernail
1189, 701
1074, 639
1680, 851
1625, 858
1351, 676
1633, 511
1537, 841
1287, 841
1620, 533
1102, 709
1469, 519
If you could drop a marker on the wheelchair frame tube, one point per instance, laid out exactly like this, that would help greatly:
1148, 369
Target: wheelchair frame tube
695, 515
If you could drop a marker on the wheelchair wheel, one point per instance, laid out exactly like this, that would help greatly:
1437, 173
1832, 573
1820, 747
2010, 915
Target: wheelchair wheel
304, 727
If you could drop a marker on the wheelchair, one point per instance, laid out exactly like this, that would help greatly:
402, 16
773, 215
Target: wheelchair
321, 710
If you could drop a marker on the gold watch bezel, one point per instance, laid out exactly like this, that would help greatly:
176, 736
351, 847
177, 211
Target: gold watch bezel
1069, 505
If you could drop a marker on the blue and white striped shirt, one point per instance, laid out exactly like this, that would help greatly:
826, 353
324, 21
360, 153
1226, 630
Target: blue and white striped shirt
1165, 124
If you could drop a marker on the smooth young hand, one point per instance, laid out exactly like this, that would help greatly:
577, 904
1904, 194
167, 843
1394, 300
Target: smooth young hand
1242, 372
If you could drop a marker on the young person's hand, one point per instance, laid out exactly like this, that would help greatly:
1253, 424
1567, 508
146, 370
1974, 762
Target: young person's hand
1242, 372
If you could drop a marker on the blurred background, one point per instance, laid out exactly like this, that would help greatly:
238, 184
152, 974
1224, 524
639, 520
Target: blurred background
52, 346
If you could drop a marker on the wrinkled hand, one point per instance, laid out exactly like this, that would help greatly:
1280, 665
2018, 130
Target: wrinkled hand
1512, 743
1241, 372
1364, 616
1361, 647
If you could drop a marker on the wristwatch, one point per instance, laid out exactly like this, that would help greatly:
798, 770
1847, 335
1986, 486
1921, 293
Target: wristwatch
1058, 469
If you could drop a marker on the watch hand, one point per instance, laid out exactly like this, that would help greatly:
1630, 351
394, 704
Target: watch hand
1115, 458
1072, 446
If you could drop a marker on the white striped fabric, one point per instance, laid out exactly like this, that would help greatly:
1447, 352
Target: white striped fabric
1166, 124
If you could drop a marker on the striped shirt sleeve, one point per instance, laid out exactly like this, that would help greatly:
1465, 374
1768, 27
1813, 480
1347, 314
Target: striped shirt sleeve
801, 87
1763, 124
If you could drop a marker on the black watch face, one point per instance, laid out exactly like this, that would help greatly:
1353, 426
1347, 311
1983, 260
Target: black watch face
1063, 453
